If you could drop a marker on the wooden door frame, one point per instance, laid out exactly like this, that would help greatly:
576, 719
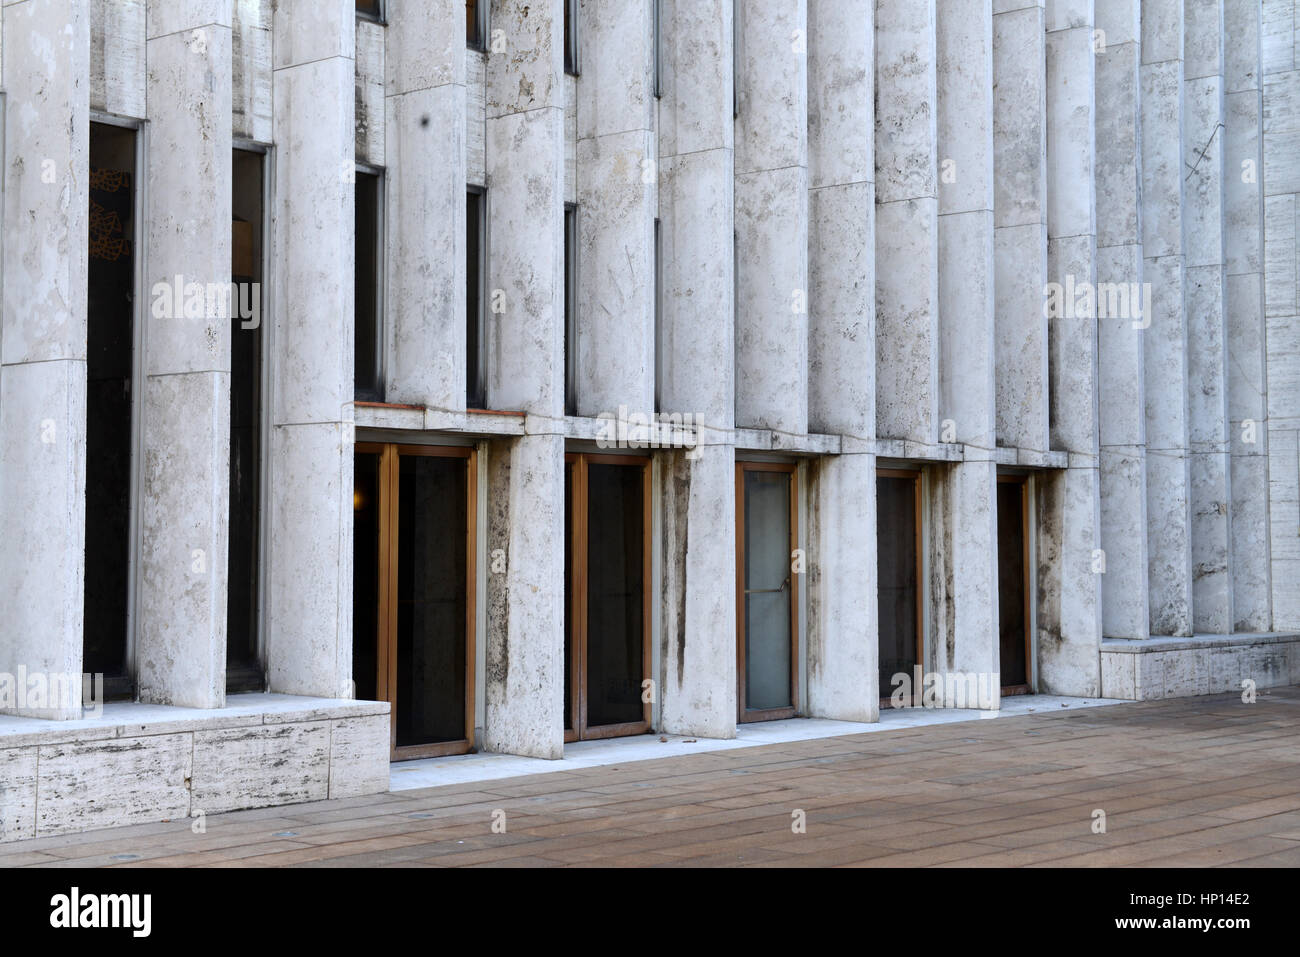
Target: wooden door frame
388, 494
578, 529
916, 476
744, 714
1026, 579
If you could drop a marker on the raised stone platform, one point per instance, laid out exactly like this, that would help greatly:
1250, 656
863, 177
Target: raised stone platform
1148, 668
140, 763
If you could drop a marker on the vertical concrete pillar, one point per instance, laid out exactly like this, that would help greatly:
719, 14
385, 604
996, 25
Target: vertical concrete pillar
309, 623
185, 419
696, 210
967, 328
1207, 386
617, 197
1165, 341
525, 168
843, 646
1068, 515
1248, 426
46, 64
424, 147
907, 234
1020, 225
771, 183
1120, 369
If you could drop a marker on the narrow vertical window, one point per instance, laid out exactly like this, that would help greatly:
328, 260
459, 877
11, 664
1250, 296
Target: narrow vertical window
368, 280
243, 668
371, 8
570, 309
476, 24
111, 295
659, 46
737, 56
571, 63
659, 318
475, 301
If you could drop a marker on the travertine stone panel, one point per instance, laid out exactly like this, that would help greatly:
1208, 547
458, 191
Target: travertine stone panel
1020, 218
117, 69
617, 204
843, 650
250, 61
148, 779
260, 766
309, 601
907, 229
180, 648
18, 794
425, 146
369, 121
525, 611
358, 758
1068, 610
698, 685
46, 57
963, 593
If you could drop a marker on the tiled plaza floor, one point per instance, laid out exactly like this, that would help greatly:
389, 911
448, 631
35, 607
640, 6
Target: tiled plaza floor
1192, 781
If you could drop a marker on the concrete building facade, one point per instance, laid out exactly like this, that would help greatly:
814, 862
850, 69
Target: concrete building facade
589, 367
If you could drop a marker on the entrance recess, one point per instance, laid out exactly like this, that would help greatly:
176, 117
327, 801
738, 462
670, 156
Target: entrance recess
607, 584
413, 592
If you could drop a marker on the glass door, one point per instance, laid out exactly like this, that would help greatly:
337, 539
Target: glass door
898, 564
607, 584
413, 592
1013, 588
766, 603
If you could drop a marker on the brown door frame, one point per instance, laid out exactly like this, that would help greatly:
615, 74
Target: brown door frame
1027, 687
744, 713
916, 476
578, 528
386, 627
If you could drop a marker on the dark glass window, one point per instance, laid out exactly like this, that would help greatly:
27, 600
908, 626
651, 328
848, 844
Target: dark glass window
571, 63
475, 300
769, 590
243, 666
368, 280
110, 354
476, 23
570, 310
372, 8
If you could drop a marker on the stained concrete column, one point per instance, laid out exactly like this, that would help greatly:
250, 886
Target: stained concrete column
967, 337
1120, 368
907, 234
185, 419
1165, 341
46, 63
771, 183
842, 642
309, 623
617, 193
1068, 510
1020, 225
696, 210
525, 167
424, 149
1207, 387
1244, 306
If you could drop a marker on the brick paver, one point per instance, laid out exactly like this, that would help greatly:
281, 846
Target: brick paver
1206, 781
